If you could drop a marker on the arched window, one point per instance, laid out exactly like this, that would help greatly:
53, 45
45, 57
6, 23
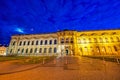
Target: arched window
20, 43
62, 40
111, 39
41, 42
55, 50
28, 43
36, 42
35, 51
40, 51
115, 48
31, 50
18, 51
45, 42
67, 40
101, 40
24, 42
118, 39
26, 50
50, 42
13, 43
71, 40
45, 50
32, 42
50, 50
95, 40
55, 41
22, 50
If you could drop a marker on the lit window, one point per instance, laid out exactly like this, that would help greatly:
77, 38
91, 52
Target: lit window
62, 40
112, 39
71, 40
95, 40
101, 40
106, 39
118, 39
67, 40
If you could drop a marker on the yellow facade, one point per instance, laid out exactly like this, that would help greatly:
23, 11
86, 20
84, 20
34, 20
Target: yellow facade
3, 50
67, 42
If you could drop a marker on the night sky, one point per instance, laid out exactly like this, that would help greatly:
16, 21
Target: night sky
44, 16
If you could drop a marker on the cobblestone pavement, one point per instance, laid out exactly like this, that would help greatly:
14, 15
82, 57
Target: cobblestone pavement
62, 68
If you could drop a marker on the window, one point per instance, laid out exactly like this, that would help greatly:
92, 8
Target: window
31, 50
26, 50
95, 40
106, 39
111, 39
71, 40
28, 43
55, 50
40, 51
89, 40
20, 43
118, 39
35, 51
50, 42
41, 42
36, 42
18, 51
115, 48
45, 50
13, 43
45, 42
67, 40
101, 40
24, 42
22, 50
83, 41
11, 51
55, 41
62, 40
32, 42
50, 50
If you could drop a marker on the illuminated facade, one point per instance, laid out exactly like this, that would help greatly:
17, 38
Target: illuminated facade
3, 50
67, 42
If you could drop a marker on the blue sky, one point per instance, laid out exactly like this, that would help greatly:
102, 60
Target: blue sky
44, 16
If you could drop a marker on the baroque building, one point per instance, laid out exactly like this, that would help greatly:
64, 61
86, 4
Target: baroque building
67, 42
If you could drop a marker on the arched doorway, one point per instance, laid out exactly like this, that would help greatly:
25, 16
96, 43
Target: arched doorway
67, 51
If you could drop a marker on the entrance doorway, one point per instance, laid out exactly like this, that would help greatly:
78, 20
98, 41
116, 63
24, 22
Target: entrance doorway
67, 51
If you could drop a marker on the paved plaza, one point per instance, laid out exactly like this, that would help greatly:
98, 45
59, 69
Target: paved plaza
62, 68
